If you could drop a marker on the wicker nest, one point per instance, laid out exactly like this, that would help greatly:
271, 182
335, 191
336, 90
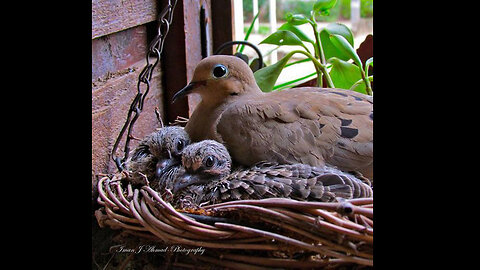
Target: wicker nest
282, 232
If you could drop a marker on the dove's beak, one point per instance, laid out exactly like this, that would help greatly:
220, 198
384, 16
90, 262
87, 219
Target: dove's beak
187, 90
186, 180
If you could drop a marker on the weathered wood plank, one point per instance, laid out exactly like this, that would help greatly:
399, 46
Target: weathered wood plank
118, 51
109, 16
111, 99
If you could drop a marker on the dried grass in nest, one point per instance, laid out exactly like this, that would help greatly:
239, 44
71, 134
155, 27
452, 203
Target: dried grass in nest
283, 232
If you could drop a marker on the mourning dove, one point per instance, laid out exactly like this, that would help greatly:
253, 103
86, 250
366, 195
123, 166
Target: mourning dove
158, 154
207, 178
310, 125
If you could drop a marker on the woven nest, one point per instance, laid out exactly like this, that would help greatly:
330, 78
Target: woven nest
282, 232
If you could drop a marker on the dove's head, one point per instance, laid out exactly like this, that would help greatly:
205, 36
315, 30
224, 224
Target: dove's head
160, 150
219, 78
203, 161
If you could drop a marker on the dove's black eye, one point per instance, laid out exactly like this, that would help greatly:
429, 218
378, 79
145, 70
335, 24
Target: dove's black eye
180, 145
209, 161
220, 71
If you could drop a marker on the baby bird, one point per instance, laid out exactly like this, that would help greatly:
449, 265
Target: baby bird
157, 157
207, 178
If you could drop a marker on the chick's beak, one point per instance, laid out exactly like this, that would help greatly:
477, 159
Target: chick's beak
187, 90
164, 165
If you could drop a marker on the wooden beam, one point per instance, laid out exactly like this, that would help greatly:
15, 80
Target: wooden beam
182, 52
174, 67
222, 24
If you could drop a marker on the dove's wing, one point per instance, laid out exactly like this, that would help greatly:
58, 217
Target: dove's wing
302, 125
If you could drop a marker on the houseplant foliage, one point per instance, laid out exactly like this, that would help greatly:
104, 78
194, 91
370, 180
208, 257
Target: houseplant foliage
331, 52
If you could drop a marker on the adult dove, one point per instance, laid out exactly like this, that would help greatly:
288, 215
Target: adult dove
207, 177
309, 125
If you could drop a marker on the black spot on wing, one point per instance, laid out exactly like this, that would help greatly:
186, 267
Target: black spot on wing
345, 122
348, 133
371, 116
340, 93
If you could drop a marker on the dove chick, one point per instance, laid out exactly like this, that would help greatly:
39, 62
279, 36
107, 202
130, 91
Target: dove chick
208, 178
309, 125
157, 156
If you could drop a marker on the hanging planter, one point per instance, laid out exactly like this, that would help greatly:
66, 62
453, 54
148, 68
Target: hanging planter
282, 232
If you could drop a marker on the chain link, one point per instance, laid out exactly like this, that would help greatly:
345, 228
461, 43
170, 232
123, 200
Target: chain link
154, 51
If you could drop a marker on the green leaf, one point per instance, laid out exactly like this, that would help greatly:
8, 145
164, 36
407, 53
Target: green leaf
340, 29
267, 76
346, 48
368, 63
299, 33
297, 19
247, 35
283, 37
331, 50
323, 7
344, 74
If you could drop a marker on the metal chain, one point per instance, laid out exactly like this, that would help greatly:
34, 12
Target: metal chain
154, 51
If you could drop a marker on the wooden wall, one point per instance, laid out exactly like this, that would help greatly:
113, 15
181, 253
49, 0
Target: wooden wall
121, 33
119, 45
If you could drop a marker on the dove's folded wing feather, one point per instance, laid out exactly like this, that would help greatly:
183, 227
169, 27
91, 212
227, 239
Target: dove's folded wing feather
303, 125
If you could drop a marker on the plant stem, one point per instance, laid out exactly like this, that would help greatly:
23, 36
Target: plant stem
367, 83
317, 65
318, 43
269, 52
297, 62
318, 47
319, 77
317, 56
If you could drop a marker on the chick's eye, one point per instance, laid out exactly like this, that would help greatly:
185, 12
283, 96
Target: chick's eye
209, 161
141, 152
220, 71
180, 145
